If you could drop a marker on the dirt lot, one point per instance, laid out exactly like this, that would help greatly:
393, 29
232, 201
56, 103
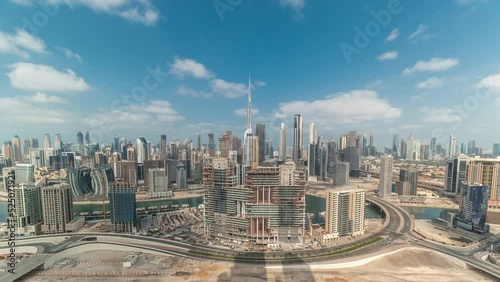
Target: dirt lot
406, 265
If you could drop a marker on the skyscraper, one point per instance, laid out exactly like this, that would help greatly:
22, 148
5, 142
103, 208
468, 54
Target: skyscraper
157, 182
181, 176
408, 181
340, 173
87, 137
486, 172
28, 206
260, 132
46, 142
248, 136
116, 144
352, 156
385, 177
25, 173
8, 151
16, 146
225, 143
311, 159
473, 208
198, 142
211, 145
57, 208
282, 142
122, 206
413, 149
80, 181
496, 149
471, 147
142, 150
452, 147
79, 138
27, 147
297, 139
313, 133
57, 142
456, 172
345, 213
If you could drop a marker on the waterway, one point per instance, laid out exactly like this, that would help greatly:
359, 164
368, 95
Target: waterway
314, 205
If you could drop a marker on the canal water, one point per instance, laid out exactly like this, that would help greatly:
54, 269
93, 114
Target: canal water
314, 205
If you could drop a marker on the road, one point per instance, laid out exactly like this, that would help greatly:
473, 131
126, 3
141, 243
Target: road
398, 229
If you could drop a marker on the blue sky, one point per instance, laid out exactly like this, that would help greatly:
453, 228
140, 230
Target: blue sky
431, 68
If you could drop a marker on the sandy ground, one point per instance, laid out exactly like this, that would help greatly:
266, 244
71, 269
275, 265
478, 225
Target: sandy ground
429, 231
406, 265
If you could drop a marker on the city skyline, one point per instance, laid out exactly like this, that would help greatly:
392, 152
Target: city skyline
78, 83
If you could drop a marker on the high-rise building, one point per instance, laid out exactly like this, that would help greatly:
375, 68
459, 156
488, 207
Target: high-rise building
142, 150
297, 139
456, 173
87, 137
101, 177
8, 151
282, 145
225, 143
80, 181
496, 149
37, 159
385, 177
58, 142
198, 142
211, 145
25, 173
28, 207
413, 149
452, 147
313, 133
125, 171
6, 171
27, 147
473, 208
46, 142
471, 147
260, 132
345, 213
463, 148
340, 173
16, 147
79, 138
352, 156
408, 182
486, 172
181, 176
163, 146
157, 182
122, 204
34, 143
57, 208
311, 159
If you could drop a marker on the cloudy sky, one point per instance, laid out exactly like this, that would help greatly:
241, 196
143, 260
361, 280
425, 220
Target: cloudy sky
143, 67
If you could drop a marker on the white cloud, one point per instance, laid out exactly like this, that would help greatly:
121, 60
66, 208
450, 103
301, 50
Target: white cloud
435, 64
33, 77
21, 43
243, 112
25, 113
152, 113
491, 83
375, 83
70, 54
431, 83
259, 83
391, 55
228, 89
186, 91
296, 5
43, 98
393, 35
439, 115
420, 34
182, 67
354, 107
140, 11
